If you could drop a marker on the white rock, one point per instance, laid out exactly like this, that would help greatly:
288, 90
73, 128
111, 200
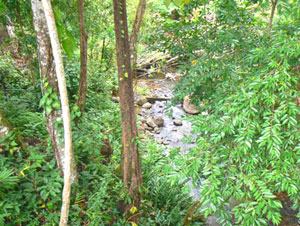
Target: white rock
147, 105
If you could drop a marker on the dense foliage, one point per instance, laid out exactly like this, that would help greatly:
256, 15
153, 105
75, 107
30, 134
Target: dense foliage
247, 82
244, 78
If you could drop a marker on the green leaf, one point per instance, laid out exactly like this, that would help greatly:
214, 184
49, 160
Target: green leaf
48, 110
68, 48
49, 101
167, 3
43, 101
13, 143
44, 195
178, 2
56, 105
3, 8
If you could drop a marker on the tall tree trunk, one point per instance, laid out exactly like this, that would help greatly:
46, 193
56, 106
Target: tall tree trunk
10, 28
28, 56
48, 75
131, 169
11, 31
69, 173
134, 33
83, 59
274, 3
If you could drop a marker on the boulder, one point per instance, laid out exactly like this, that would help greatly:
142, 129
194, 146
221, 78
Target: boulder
150, 122
142, 119
188, 107
159, 121
141, 101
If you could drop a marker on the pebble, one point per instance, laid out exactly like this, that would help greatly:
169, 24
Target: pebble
160, 141
115, 99
177, 122
147, 105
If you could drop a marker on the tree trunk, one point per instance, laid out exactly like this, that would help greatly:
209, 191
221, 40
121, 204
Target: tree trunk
131, 169
83, 59
68, 163
10, 28
134, 33
48, 75
274, 3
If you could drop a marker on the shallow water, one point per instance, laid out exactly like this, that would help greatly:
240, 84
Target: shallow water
172, 136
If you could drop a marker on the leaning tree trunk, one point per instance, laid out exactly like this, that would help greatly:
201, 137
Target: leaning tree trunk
68, 163
83, 59
274, 3
131, 169
48, 79
134, 33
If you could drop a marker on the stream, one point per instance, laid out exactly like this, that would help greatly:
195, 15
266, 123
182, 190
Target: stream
167, 126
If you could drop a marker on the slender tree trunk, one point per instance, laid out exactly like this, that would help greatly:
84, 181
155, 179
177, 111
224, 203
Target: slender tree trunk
83, 59
69, 174
274, 3
48, 75
102, 51
28, 56
11, 31
10, 28
134, 33
131, 169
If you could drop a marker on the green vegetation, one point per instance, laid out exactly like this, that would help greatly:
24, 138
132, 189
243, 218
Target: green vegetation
240, 65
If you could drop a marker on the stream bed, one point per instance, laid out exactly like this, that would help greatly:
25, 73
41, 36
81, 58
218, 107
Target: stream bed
167, 126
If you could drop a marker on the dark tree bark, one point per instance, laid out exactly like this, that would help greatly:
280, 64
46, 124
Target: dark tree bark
131, 169
83, 59
274, 3
134, 33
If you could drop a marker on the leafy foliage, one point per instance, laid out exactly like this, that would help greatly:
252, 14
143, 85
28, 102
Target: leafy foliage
248, 84
244, 79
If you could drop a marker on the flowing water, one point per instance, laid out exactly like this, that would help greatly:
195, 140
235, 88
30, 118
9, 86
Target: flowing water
175, 129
